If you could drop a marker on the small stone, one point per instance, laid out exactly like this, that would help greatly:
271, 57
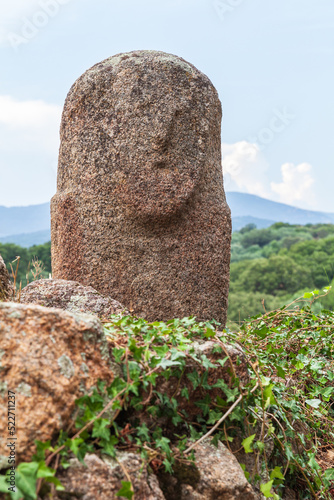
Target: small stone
216, 475
70, 296
47, 377
140, 211
100, 479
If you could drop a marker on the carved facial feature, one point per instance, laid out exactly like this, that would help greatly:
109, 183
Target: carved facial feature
159, 135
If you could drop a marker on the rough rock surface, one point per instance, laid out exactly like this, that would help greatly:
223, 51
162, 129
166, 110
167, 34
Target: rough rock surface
49, 358
101, 479
140, 212
217, 476
6, 287
70, 296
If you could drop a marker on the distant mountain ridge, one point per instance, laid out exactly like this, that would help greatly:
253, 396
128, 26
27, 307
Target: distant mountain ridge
250, 205
28, 239
30, 219
30, 225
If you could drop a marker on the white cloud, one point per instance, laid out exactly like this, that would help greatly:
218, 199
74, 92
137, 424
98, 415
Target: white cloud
29, 142
26, 114
296, 184
245, 168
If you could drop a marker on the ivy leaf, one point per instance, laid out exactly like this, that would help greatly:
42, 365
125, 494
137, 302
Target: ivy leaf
143, 432
163, 443
166, 363
269, 396
214, 416
327, 392
56, 482
126, 490
74, 445
185, 393
41, 448
118, 354
276, 473
4, 485
247, 443
204, 404
299, 365
230, 393
313, 463
168, 466
266, 489
101, 428
247, 474
315, 403
161, 350
206, 363
108, 446
44, 471
26, 479
194, 378
222, 361
329, 474
280, 372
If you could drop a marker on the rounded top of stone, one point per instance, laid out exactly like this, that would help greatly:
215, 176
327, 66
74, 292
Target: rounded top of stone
140, 57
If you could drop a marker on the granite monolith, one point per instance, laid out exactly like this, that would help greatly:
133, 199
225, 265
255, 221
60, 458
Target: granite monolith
140, 211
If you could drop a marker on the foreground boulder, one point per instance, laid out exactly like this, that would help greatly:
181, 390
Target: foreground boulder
70, 296
101, 479
216, 475
49, 358
6, 287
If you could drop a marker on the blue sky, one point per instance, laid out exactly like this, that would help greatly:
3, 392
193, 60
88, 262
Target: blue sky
271, 62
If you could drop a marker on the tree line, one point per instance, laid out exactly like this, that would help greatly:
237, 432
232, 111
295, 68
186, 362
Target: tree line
269, 267
272, 267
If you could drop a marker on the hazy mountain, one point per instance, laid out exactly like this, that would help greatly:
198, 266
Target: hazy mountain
17, 220
242, 221
30, 225
249, 205
28, 239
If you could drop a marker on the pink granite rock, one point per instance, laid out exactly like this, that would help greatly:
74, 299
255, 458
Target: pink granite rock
49, 358
70, 296
140, 212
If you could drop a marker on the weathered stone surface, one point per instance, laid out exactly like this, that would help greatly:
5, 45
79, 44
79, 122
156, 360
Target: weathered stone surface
217, 476
6, 287
70, 296
140, 212
101, 479
49, 358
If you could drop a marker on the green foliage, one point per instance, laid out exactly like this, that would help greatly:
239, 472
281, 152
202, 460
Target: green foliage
289, 397
28, 256
271, 267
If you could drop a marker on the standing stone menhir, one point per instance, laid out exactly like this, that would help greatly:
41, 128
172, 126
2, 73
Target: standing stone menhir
140, 212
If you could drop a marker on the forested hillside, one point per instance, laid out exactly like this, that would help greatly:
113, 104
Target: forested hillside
269, 267
26, 268
278, 264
